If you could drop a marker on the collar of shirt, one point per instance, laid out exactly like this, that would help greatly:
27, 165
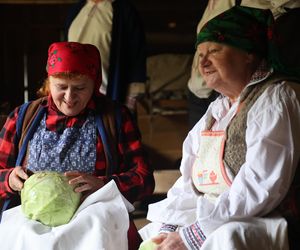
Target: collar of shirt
225, 108
57, 121
262, 72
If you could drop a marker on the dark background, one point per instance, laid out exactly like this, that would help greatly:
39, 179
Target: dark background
28, 29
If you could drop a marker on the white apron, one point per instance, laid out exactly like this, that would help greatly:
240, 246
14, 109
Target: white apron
209, 175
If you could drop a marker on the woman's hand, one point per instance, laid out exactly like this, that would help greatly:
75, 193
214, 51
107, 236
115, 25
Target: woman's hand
84, 183
169, 241
16, 178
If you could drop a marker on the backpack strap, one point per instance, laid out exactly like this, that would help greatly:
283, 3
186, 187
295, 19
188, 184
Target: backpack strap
29, 117
21, 114
109, 127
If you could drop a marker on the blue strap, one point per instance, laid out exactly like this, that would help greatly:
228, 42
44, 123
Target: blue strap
33, 126
20, 119
118, 116
118, 120
10, 203
103, 135
5, 207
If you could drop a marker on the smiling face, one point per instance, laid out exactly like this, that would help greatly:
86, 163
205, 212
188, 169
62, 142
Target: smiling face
225, 68
71, 95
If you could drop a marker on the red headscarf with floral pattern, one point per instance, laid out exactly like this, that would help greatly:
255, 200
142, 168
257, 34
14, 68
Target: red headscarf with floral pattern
75, 57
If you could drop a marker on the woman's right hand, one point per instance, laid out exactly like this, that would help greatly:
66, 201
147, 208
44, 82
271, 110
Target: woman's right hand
158, 239
16, 178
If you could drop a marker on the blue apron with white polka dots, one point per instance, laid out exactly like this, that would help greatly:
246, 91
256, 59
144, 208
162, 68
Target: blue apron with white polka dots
74, 149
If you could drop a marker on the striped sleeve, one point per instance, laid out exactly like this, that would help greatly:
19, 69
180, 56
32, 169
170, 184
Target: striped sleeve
167, 228
192, 236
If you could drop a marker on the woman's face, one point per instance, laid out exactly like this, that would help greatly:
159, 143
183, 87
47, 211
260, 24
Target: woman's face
71, 95
224, 68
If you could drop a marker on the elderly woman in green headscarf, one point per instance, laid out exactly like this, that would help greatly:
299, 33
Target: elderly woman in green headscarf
239, 161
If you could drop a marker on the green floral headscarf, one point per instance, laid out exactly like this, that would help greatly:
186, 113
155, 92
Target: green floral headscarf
249, 29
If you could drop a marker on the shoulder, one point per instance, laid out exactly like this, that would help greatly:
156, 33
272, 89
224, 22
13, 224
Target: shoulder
34, 105
278, 99
282, 90
294, 89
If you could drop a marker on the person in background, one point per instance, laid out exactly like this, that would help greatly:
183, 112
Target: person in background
199, 94
240, 176
65, 131
115, 28
216, 7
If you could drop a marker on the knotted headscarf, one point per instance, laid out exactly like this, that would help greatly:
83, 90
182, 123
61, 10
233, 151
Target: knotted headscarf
249, 29
74, 57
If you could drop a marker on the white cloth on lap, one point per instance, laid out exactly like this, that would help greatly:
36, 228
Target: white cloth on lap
101, 222
256, 233
269, 233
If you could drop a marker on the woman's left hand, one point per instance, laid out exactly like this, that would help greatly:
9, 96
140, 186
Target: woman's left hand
171, 241
83, 182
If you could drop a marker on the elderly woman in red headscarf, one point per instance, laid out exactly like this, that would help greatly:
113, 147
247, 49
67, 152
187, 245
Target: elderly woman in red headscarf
75, 130
239, 164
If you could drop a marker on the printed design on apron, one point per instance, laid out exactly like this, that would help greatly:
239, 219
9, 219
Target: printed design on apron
209, 174
74, 149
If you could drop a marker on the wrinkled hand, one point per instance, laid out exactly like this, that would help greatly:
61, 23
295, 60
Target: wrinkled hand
169, 241
84, 183
16, 178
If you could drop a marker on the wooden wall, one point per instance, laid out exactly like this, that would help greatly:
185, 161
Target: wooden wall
28, 29
170, 25
26, 34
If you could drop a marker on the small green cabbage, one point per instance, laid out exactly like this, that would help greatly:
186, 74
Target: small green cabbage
148, 245
49, 198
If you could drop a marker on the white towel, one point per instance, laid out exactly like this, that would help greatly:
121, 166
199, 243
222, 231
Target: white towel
101, 222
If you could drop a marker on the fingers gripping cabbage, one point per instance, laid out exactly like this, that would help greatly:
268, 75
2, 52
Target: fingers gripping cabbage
47, 197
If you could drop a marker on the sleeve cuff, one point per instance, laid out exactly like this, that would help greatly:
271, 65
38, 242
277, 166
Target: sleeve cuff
9, 190
166, 228
106, 179
192, 236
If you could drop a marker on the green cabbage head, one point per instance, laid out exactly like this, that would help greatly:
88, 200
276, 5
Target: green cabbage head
48, 198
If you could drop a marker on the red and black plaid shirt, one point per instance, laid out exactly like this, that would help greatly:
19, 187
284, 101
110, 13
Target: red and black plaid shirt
134, 177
